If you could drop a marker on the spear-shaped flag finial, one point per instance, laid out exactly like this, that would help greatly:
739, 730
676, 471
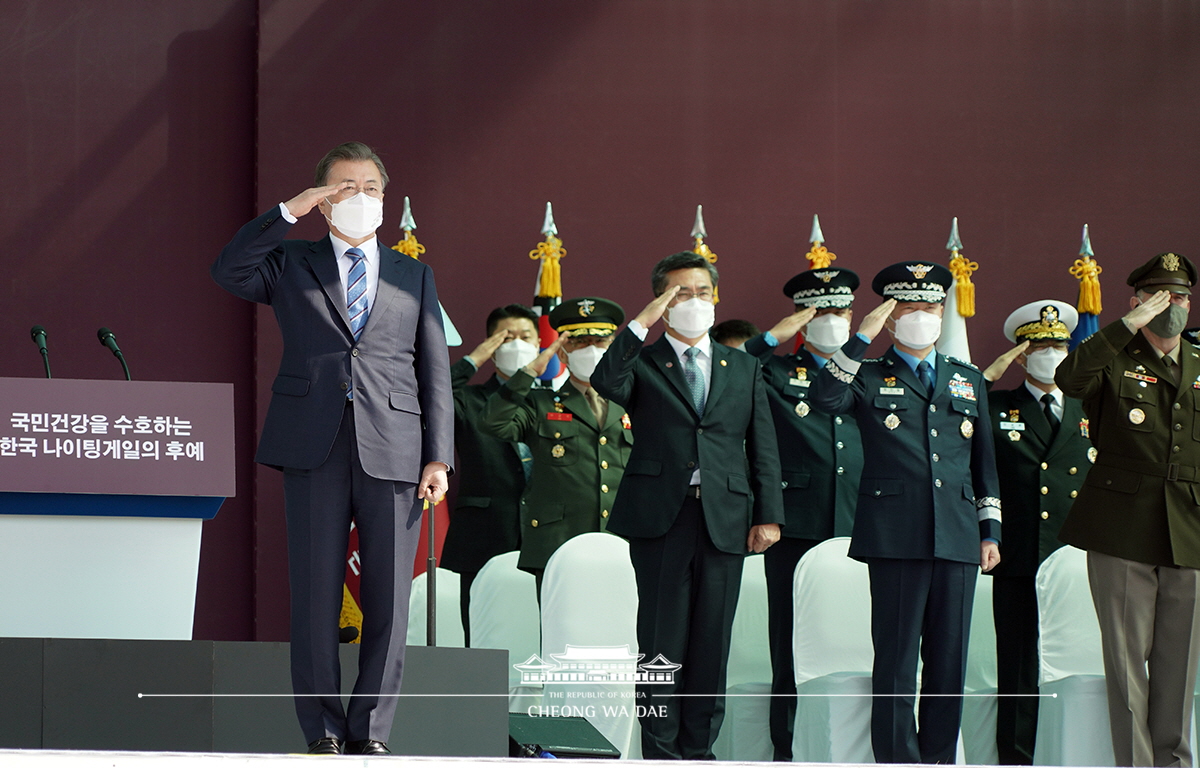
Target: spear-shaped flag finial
817, 237
954, 244
819, 257
698, 230
1085, 249
407, 223
548, 227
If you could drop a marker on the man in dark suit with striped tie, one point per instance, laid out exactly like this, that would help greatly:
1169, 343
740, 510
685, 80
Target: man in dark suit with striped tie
361, 422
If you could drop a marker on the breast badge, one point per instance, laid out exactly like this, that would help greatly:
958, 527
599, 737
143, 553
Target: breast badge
1092, 454
967, 428
1137, 415
1014, 435
892, 421
558, 451
802, 409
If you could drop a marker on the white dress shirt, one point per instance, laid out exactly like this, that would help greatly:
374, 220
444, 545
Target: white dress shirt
370, 249
1056, 393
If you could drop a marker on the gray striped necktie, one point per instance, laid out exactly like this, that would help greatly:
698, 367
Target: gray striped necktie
695, 380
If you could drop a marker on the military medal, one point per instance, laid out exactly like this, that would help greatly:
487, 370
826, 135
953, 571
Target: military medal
1084, 428
889, 381
1014, 415
802, 409
1092, 454
967, 428
558, 451
1141, 376
1137, 415
1014, 435
801, 373
625, 423
962, 388
892, 421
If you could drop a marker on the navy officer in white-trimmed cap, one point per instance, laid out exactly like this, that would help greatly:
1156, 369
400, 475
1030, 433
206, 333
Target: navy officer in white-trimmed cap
928, 515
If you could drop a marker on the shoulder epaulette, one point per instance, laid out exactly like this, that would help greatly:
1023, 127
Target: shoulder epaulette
873, 360
963, 363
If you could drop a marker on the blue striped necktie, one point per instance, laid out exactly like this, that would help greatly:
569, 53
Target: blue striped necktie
695, 382
356, 292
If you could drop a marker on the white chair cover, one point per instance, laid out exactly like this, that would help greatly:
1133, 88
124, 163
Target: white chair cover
589, 600
980, 706
746, 734
831, 643
504, 614
1072, 727
449, 614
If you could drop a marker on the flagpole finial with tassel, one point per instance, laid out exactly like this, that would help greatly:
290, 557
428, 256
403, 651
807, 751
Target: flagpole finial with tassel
961, 267
819, 257
700, 248
549, 251
409, 245
1088, 272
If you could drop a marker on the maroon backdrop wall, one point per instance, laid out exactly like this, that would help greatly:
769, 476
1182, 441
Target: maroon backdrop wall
137, 141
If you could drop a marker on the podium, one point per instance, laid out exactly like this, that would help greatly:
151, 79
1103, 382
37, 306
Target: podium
104, 487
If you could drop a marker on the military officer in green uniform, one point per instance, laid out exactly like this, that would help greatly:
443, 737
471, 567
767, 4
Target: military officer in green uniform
1042, 457
1138, 514
579, 441
820, 455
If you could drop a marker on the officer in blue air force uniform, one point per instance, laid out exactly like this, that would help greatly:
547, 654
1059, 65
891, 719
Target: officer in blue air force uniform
821, 459
928, 515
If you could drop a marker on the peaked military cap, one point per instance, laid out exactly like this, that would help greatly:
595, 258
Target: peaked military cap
821, 288
1041, 321
1167, 271
913, 281
587, 316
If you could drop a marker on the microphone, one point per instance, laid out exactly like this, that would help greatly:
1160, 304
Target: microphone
38, 333
107, 339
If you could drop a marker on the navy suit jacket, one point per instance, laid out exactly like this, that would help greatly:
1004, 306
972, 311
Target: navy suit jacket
400, 369
733, 443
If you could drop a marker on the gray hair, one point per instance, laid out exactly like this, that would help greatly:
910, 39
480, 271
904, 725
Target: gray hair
676, 261
351, 150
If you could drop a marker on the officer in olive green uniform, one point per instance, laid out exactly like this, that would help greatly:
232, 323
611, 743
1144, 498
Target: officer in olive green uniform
579, 441
1042, 456
821, 459
1138, 515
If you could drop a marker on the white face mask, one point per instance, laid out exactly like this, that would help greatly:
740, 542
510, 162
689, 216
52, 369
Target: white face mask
356, 216
692, 318
513, 355
1042, 364
827, 333
918, 330
583, 361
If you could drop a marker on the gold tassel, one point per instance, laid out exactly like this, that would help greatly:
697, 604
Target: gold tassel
351, 614
409, 245
550, 275
962, 267
819, 257
1088, 271
700, 248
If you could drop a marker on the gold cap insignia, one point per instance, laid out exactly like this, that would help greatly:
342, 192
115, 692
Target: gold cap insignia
585, 307
825, 277
919, 270
1170, 262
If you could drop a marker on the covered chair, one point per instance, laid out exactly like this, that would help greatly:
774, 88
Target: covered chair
504, 614
745, 734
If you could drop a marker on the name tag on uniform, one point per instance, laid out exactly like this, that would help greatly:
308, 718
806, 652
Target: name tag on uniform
552, 416
891, 390
799, 382
1017, 425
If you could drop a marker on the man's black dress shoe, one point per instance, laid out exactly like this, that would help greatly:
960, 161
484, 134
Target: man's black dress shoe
329, 745
367, 747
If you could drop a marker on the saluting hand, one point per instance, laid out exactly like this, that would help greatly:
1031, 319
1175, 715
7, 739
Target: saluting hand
994, 371
310, 198
762, 536
791, 325
1143, 313
872, 324
542, 362
484, 351
655, 309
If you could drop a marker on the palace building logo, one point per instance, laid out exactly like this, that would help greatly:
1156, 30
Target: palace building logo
582, 664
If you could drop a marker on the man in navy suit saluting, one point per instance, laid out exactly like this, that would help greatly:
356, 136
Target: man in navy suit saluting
701, 489
361, 423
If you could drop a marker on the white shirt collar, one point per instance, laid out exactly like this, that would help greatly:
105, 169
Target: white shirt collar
1056, 393
370, 248
703, 346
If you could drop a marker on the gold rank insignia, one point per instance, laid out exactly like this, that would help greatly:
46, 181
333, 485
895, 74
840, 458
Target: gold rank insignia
1137, 415
1014, 435
892, 421
802, 409
558, 451
1014, 415
1085, 428
1092, 454
889, 381
967, 428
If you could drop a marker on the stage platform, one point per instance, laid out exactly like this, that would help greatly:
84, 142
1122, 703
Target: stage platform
34, 758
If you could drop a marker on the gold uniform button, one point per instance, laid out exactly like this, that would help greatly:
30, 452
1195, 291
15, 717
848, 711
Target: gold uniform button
1045, 490
604, 489
1074, 494
604, 465
604, 513
533, 523
559, 434
1045, 465
1045, 515
603, 440
1073, 470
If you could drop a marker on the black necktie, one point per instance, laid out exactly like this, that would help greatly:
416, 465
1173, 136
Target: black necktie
1048, 407
925, 373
